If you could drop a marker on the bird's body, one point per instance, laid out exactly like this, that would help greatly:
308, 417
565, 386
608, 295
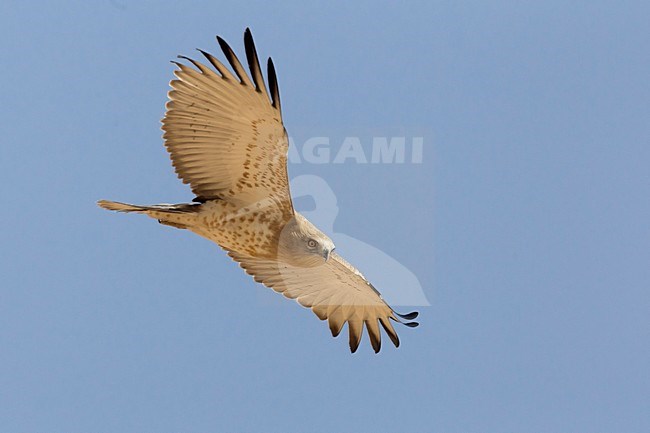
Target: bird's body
226, 139
251, 229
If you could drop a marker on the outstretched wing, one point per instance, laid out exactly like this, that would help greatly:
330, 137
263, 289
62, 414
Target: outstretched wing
225, 133
335, 291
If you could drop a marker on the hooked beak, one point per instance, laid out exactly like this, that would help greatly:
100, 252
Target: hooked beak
326, 254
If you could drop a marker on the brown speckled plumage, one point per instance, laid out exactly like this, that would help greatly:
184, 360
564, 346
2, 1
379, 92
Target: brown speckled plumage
226, 139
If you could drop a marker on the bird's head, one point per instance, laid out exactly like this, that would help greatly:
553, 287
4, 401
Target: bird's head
302, 244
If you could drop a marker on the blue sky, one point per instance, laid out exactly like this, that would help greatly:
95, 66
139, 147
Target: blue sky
526, 222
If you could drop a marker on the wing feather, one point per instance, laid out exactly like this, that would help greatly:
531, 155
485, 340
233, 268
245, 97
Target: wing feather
388, 327
355, 330
254, 63
336, 320
335, 291
273, 84
234, 62
225, 73
373, 333
224, 135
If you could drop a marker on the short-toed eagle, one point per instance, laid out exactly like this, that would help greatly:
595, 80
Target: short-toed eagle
226, 139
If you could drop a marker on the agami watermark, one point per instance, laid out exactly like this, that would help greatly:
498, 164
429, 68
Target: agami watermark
354, 149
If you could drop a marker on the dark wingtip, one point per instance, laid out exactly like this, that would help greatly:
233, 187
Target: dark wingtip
205, 54
385, 323
234, 61
253, 62
273, 84
409, 316
225, 47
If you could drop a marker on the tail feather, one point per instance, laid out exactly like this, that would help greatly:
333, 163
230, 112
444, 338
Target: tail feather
167, 208
181, 216
120, 207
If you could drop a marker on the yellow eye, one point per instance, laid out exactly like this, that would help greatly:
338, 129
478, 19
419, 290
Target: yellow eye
311, 243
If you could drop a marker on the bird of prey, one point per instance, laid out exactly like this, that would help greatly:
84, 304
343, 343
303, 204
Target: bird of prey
226, 139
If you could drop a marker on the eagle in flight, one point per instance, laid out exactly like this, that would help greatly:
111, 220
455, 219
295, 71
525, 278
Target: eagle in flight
226, 139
